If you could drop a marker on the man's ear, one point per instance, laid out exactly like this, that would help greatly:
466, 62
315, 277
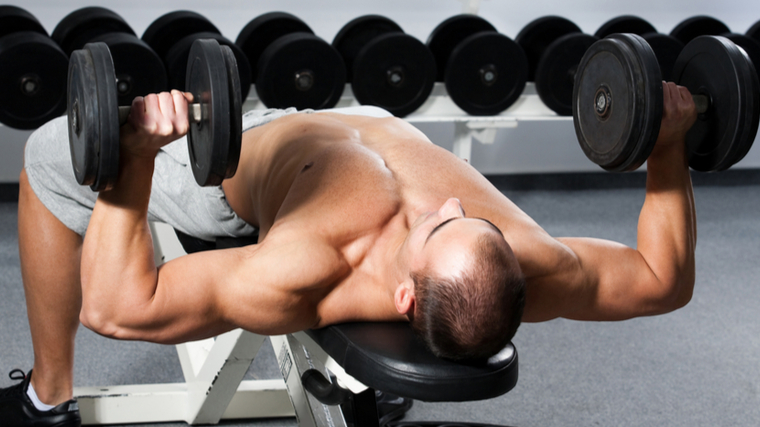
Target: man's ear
404, 297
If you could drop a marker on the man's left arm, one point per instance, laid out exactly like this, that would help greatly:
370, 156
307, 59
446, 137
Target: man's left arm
602, 280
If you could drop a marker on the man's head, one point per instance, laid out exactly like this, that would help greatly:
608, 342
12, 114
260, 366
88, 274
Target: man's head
466, 291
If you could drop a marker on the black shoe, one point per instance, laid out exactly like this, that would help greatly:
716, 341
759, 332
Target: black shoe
17, 410
391, 407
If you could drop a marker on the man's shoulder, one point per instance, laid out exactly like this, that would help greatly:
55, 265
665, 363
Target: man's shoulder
541, 256
301, 259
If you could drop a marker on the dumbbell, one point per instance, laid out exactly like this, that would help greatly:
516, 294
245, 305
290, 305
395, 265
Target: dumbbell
484, 71
554, 46
665, 47
625, 24
754, 31
32, 71
695, 26
94, 117
171, 36
291, 66
702, 25
385, 66
753, 49
617, 107
139, 71
750, 46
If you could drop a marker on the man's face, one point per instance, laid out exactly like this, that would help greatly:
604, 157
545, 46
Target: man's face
442, 241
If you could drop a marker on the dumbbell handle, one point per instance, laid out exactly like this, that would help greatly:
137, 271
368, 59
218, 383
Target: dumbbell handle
702, 102
195, 113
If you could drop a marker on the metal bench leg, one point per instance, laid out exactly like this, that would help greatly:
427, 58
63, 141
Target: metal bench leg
215, 383
294, 359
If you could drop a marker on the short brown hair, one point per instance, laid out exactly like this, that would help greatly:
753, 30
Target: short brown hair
474, 316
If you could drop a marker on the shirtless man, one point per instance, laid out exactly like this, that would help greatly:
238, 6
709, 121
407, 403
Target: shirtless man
359, 218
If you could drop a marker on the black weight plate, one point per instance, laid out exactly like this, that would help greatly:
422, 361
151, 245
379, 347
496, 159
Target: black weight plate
14, 19
619, 132
486, 73
139, 71
666, 48
535, 37
93, 117
262, 31
752, 114
300, 70
32, 80
697, 26
555, 74
449, 33
236, 113
172, 27
356, 34
176, 61
716, 67
754, 31
651, 96
394, 71
625, 24
82, 113
750, 46
208, 141
82, 25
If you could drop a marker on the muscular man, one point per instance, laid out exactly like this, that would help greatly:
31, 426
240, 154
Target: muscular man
359, 218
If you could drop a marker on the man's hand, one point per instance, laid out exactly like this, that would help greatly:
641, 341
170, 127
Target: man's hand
154, 121
678, 116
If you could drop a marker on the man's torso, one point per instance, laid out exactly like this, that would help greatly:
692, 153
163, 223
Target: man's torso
352, 180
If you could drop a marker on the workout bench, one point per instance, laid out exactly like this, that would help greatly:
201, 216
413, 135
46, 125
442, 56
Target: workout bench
329, 375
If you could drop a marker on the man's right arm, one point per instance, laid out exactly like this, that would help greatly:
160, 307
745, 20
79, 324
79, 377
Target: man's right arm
601, 280
270, 288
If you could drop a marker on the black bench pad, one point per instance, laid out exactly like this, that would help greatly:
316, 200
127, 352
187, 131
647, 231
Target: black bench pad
390, 358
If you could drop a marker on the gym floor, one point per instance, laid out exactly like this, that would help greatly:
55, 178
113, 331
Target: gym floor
699, 366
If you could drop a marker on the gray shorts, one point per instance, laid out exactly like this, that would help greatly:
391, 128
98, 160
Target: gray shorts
201, 212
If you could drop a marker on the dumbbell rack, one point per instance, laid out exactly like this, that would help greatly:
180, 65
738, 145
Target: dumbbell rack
440, 109
546, 142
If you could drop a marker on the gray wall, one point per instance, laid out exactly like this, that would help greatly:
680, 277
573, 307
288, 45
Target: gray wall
530, 148
417, 17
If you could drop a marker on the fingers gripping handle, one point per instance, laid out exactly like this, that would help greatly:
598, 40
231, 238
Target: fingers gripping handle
195, 113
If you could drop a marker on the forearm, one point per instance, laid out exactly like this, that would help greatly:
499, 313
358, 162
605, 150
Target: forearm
667, 231
118, 270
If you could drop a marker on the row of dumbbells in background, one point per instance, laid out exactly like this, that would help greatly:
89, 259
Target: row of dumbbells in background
484, 71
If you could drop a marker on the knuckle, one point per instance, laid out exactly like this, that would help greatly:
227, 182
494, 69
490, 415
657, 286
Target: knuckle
182, 126
166, 128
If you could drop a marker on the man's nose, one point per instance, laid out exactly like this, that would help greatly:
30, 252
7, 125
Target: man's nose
452, 208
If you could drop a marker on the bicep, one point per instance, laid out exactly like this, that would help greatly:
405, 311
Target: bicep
596, 279
184, 305
262, 288
279, 286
